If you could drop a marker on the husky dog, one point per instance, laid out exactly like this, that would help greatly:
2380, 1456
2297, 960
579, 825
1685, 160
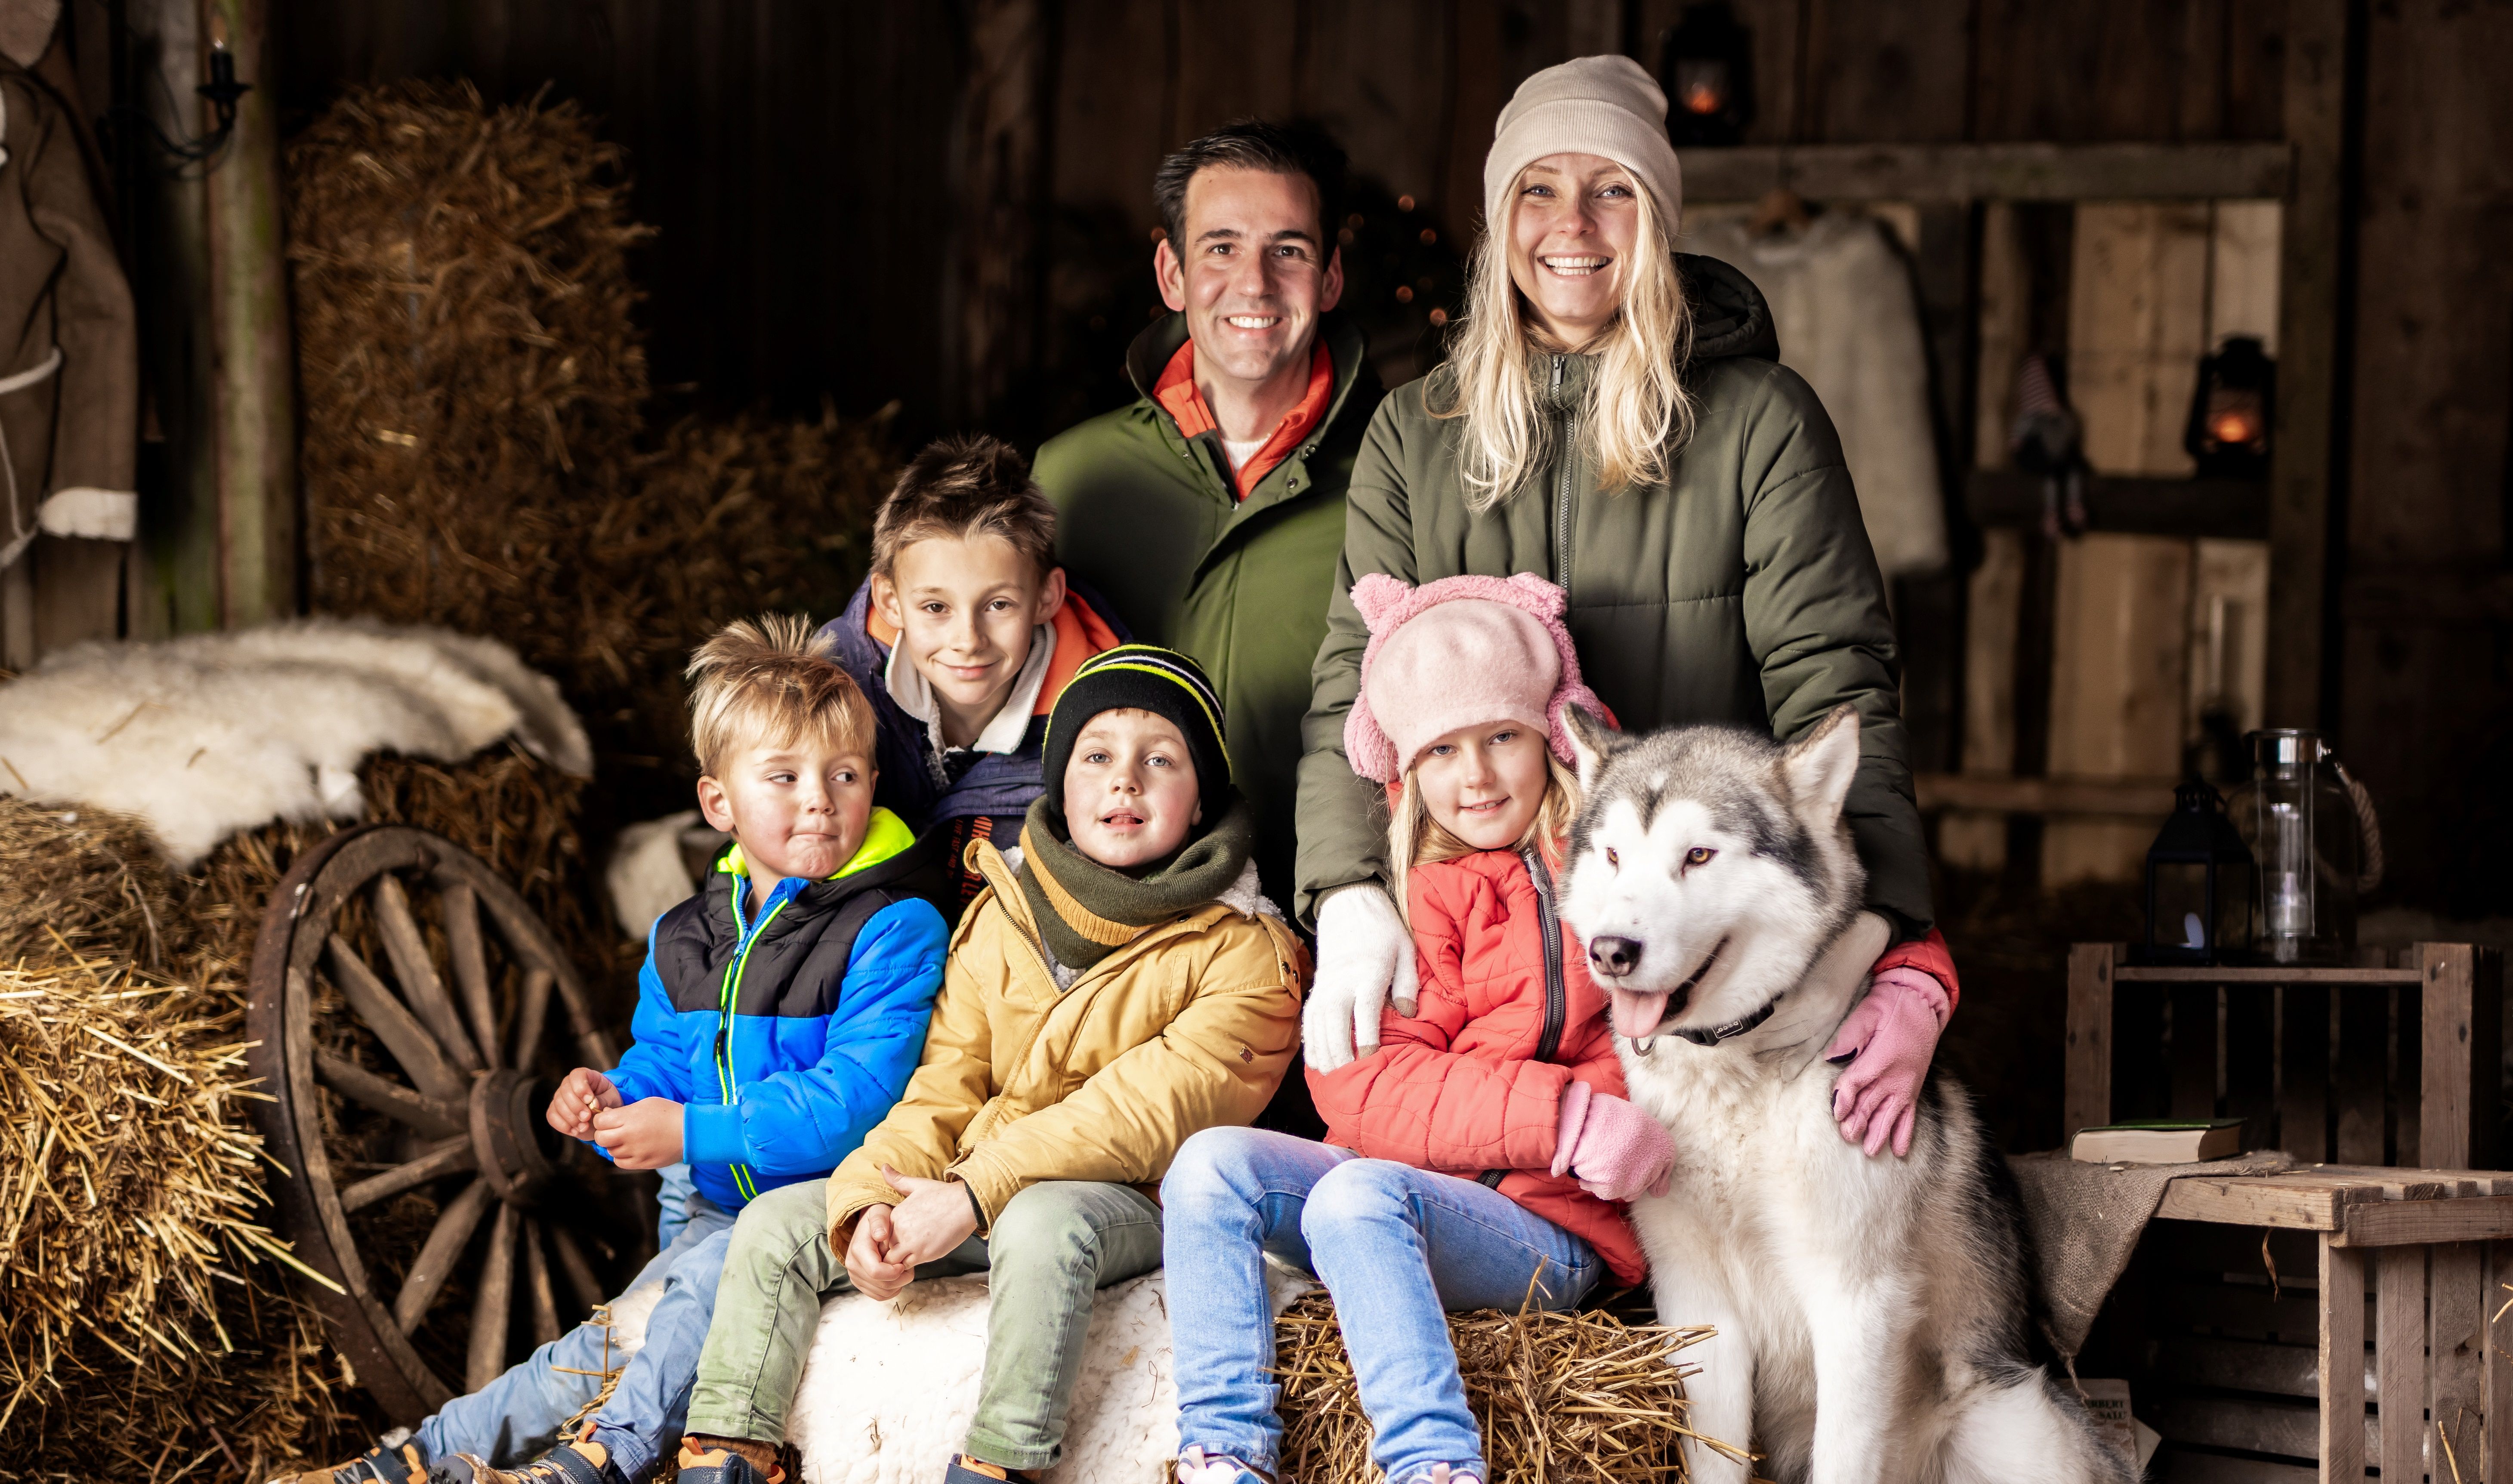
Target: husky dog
1876, 1318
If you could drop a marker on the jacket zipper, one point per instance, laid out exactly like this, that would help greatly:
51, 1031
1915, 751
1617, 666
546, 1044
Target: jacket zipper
1562, 492
726, 998
1548, 1041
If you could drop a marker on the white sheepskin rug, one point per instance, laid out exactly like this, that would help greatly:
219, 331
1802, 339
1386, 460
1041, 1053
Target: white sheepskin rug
888, 1389
211, 734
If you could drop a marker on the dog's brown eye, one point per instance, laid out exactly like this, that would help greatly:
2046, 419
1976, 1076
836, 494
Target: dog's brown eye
1610, 857
1698, 855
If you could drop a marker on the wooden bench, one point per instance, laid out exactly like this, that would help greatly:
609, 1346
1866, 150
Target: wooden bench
2434, 1248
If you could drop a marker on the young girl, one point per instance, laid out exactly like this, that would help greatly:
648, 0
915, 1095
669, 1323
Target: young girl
1481, 1155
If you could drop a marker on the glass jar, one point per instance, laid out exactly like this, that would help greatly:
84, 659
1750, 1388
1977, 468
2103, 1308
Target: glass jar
2315, 843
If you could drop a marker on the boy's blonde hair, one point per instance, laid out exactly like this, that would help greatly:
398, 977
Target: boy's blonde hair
1415, 838
962, 486
770, 681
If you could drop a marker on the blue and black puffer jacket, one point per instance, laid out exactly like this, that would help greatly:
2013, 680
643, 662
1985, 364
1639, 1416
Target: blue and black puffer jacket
787, 1032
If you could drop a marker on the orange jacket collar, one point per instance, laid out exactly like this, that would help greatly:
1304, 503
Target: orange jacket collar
1080, 633
1176, 391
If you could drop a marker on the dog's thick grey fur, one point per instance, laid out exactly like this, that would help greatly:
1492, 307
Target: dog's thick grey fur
1877, 1317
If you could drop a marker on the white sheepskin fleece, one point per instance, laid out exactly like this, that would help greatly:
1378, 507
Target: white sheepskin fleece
211, 734
888, 1389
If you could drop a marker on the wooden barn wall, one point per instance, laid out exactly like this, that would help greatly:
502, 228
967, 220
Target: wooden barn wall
949, 204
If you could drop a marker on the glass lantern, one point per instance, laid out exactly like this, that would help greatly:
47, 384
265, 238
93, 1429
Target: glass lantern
2199, 887
2231, 410
1707, 72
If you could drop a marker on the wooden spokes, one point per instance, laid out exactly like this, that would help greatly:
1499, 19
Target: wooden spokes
402, 1004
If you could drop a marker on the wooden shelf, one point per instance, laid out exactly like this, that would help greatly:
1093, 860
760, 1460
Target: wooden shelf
1990, 172
2129, 798
2233, 508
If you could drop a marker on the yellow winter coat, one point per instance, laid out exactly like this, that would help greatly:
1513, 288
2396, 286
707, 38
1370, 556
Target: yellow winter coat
1189, 1026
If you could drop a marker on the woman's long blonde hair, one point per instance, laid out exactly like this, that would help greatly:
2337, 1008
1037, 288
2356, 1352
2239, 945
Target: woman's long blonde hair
1415, 838
1637, 412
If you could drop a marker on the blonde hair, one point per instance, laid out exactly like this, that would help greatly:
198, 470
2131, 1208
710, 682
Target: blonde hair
1637, 412
770, 681
1415, 838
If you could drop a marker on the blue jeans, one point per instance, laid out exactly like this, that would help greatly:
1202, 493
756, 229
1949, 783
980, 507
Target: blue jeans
1396, 1246
517, 1416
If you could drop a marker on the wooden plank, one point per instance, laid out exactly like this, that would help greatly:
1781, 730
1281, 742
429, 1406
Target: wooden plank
2259, 1425
2177, 974
2392, 1223
2308, 369
2230, 610
2120, 641
2400, 1359
256, 367
2241, 1201
2251, 1312
2240, 1365
2138, 504
2137, 312
2011, 171
2180, 1465
2340, 1440
2445, 1083
2496, 1368
77, 590
2087, 1080
2457, 1333
2364, 1039
2148, 799
2003, 330
2303, 1070
1996, 597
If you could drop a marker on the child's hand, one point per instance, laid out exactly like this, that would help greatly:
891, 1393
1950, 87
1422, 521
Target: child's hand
869, 1264
583, 1094
935, 1218
646, 1135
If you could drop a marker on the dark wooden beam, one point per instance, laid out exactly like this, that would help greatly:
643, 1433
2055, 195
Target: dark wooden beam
1989, 172
2220, 507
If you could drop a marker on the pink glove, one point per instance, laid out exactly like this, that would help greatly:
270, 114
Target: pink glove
1615, 1149
1888, 1042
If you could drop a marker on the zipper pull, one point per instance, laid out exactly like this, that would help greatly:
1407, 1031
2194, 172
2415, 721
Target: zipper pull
1557, 373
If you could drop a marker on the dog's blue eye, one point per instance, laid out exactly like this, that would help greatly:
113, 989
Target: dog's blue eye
1699, 855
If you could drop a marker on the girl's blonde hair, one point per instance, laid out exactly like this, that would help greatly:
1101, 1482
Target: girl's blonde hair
1637, 412
1415, 838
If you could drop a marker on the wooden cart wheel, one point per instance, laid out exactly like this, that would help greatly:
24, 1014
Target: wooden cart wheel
402, 1003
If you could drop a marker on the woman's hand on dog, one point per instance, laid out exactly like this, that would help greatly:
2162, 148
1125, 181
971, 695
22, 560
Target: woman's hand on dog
1888, 1041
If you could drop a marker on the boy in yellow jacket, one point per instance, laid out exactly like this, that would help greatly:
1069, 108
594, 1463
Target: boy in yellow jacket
1118, 987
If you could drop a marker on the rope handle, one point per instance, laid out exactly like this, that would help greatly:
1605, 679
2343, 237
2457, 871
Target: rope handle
2369, 873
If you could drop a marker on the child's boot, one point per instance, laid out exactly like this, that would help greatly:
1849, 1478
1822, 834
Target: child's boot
716, 1461
1197, 1466
582, 1461
965, 1469
383, 1464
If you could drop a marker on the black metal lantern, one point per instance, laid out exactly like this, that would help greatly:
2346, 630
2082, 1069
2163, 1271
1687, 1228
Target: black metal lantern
2230, 411
1707, 69
2199, 884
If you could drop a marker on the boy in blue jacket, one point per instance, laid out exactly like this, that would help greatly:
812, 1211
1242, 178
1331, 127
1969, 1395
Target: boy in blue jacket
781, 1012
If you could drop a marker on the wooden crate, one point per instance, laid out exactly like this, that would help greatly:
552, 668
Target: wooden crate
2384, 1064
2304, 1325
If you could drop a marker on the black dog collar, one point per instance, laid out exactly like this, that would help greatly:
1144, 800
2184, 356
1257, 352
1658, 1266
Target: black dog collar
1737, 1028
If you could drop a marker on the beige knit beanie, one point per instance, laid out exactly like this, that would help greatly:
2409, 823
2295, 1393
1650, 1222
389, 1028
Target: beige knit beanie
1602, 105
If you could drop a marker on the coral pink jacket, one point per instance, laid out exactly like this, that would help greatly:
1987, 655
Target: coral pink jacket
1469, 1084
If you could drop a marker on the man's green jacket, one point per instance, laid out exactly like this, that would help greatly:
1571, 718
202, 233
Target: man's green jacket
1147, 518
1741, 592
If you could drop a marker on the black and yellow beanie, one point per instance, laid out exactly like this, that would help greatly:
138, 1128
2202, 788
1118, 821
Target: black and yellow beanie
1142, 677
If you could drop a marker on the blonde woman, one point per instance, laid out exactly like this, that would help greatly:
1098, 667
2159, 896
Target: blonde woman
1613, 418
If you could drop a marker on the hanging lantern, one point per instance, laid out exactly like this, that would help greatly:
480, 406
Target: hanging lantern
2229, 412
2198, 884
1707, 70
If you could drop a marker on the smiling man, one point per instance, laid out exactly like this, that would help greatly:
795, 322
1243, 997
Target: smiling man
1211, 510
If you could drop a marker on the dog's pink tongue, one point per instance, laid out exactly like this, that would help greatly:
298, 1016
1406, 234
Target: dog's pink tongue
1637, 1014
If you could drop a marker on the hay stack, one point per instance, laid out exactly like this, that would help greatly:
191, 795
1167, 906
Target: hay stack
476, 449
1571, 1398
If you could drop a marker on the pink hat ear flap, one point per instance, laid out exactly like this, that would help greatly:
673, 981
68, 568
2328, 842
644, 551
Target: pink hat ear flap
1366, 745
1377, 595
1557, 719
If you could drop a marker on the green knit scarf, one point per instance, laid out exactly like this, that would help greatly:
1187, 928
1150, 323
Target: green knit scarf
1086, 910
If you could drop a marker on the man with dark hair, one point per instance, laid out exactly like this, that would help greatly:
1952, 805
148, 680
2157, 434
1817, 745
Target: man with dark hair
1211, 510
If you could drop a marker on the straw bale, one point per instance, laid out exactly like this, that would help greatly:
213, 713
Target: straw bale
94, 879
1568, 1398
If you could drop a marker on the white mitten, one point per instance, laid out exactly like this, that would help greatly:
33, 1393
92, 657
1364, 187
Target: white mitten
1365, 957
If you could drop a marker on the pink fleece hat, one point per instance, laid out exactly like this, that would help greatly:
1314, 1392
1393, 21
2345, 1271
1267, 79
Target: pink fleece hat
1460, 651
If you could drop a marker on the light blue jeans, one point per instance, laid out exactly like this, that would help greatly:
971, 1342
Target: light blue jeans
517, 1417
1396, 1246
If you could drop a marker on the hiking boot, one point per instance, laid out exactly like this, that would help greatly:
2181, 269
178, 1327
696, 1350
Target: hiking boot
583, 1462
965, 1469
701, 1465
383, 1464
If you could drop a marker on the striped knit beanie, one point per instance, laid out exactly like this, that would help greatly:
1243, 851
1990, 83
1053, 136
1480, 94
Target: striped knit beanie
1143, 677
